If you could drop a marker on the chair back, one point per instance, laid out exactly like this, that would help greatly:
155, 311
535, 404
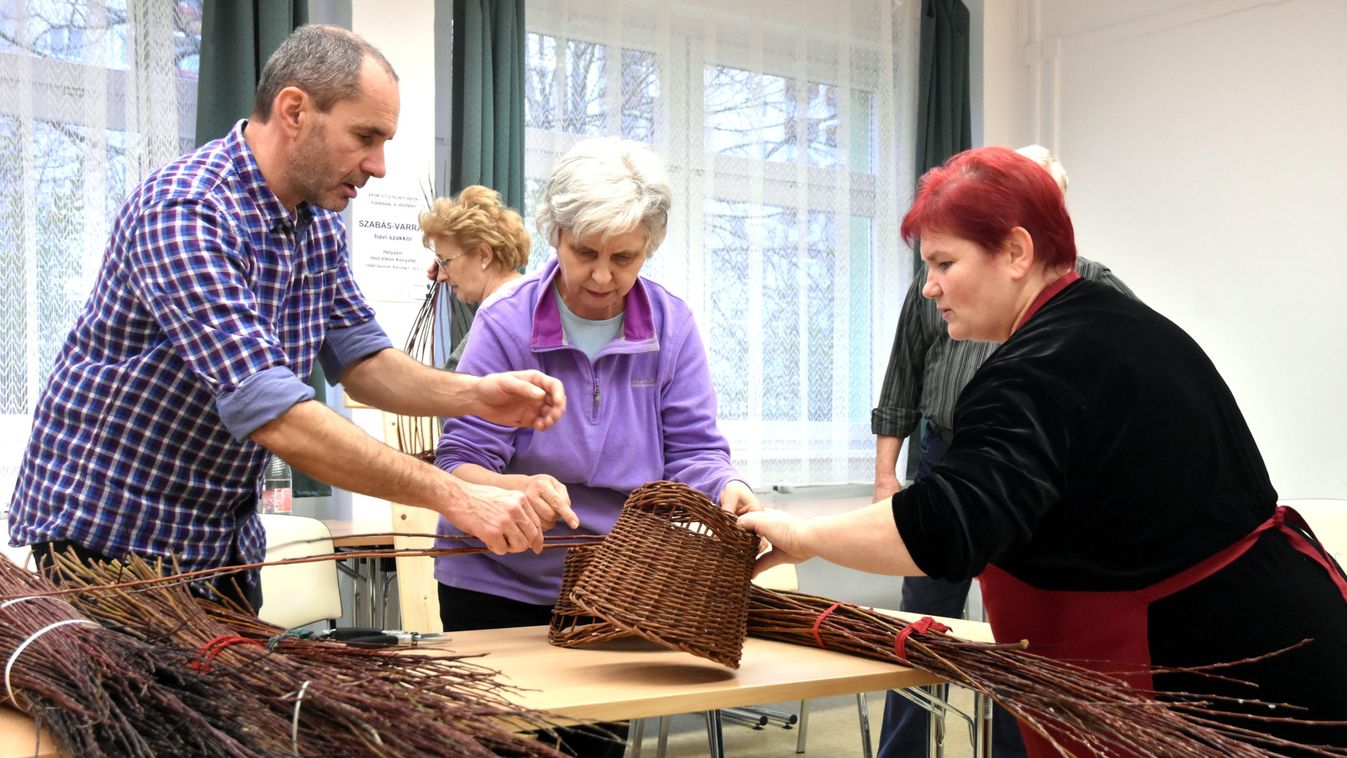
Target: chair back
300, 593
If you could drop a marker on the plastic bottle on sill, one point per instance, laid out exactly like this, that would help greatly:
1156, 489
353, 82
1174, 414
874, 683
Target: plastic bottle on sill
277, 488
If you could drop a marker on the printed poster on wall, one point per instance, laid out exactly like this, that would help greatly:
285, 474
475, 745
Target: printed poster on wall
390, 262
386, 253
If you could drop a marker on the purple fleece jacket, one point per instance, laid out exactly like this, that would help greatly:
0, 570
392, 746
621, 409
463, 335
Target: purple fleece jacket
643, 410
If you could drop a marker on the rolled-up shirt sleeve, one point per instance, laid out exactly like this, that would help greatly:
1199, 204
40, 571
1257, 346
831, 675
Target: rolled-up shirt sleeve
261, 398
898, 410
266, 395
344, 347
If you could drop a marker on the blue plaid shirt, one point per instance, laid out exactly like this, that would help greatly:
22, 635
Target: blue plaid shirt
212, 302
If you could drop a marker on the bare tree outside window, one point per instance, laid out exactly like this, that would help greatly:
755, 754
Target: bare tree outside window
786, 139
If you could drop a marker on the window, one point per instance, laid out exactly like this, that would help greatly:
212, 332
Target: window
786, 144
96, 96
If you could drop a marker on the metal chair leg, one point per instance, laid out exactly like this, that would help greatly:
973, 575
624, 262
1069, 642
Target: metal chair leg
863, 711
746, 716
804, 726
763, 716
933, 700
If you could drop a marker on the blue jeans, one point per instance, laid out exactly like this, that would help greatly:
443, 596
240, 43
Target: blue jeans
906, 728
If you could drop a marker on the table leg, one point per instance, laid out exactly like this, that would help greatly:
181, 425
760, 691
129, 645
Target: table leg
637, 731
375, 596
357, 578
863, 714
663, 745
982, 726
714, 734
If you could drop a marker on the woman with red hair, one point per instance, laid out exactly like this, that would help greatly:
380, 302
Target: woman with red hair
1101, 480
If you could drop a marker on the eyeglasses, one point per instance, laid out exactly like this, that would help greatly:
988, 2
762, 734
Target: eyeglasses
443, 263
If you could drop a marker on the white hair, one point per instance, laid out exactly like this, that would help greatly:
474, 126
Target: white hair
1044, 157
606, 186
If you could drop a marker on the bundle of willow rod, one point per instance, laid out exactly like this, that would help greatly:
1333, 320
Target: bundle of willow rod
419, 435
101, 693
1074, 708
313, 698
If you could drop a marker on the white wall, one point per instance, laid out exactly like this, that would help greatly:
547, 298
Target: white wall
1208, 157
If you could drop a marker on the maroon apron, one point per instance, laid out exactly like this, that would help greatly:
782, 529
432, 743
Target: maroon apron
1107, 631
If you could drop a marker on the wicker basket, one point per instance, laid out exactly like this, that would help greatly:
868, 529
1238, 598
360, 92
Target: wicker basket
675, 570
572, 625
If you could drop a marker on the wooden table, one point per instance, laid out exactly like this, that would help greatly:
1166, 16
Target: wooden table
18, 738
628, 679
631, 679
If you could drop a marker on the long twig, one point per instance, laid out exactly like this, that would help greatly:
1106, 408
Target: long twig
312, 697
119, 583
102, 693
418, 435
1071, 706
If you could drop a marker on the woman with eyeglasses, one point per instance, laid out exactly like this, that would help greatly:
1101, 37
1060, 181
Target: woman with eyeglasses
479, 244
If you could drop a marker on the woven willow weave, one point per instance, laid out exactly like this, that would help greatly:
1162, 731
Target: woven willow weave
572, 625
675, 570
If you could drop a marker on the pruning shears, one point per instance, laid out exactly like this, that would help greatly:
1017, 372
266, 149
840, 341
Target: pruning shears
364, 637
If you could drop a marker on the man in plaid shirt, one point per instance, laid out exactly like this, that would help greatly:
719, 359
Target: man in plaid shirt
225, 278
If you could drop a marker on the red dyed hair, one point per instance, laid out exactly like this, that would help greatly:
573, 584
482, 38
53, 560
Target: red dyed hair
981, 194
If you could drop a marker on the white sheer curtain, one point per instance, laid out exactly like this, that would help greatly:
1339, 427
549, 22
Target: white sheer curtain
787, 126
96, 94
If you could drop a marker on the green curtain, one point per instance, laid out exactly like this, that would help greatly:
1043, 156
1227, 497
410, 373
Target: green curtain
237, 37
944, 109
486, 144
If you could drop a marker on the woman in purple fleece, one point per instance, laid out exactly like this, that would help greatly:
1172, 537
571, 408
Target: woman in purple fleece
640, 402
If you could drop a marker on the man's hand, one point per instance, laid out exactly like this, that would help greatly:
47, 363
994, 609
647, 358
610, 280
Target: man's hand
550, 501
786, 534
886, 487
500, 518
738, 498
519, 398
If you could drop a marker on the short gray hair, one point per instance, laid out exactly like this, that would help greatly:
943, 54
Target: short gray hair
1044, 157
606, 186
324, 61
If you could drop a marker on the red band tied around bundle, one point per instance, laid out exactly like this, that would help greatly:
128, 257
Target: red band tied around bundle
921, 626
211, 649
818, 639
